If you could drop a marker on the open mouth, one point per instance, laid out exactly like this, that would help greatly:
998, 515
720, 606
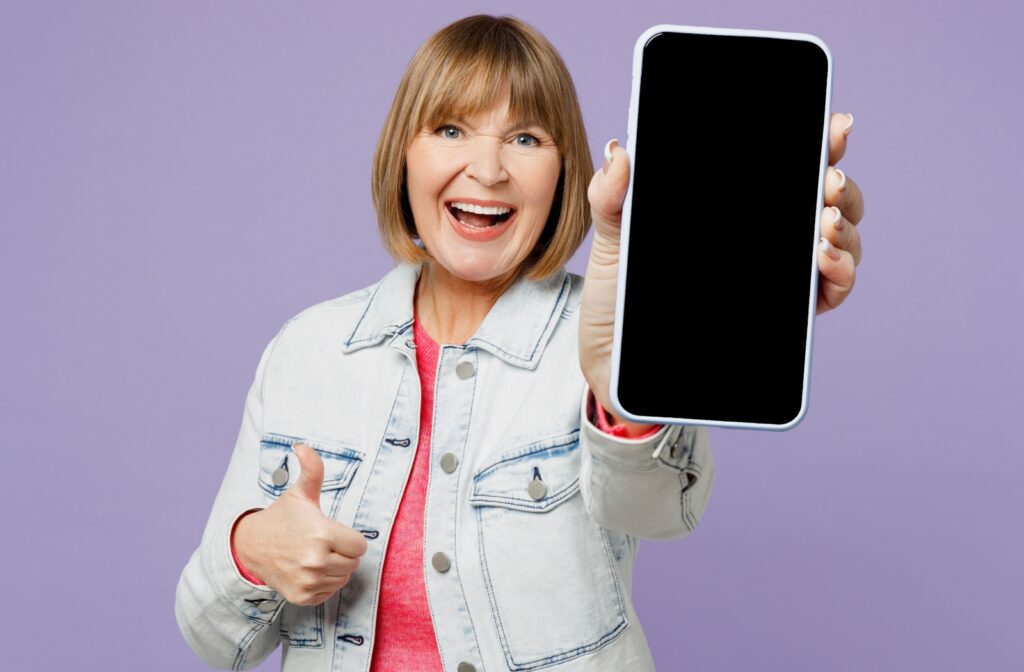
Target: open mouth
480, 219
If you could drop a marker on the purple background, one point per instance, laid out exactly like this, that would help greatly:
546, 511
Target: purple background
179, 178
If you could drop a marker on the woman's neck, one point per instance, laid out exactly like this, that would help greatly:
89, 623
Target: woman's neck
451, 309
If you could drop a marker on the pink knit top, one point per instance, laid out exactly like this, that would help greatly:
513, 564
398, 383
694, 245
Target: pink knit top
404, 638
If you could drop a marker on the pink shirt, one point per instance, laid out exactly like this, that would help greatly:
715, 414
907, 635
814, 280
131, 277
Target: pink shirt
404, 640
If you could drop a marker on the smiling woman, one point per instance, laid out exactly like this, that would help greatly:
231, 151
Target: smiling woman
422, 479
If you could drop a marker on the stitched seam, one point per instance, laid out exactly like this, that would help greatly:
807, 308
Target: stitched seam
359, 509
459, 504
380, 572
545, 444
316, 642
376, 288
243, 647
566, 655
547, 329
528, 505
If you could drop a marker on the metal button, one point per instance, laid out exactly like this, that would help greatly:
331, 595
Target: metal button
465, 370
280, 476
537, 489
466, 667
440, 562
449, 462
410, 343
267, 606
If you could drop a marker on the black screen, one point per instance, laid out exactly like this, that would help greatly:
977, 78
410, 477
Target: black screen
728, 154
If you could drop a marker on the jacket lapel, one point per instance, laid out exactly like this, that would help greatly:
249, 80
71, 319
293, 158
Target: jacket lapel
516, 329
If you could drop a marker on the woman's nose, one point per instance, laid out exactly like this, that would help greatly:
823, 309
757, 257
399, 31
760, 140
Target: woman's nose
486, 162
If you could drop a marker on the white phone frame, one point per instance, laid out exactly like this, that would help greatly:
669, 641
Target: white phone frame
634, 108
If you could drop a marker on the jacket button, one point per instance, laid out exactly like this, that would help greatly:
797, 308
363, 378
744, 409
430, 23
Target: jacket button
279, 477
448, 462
465, 370
267, 606
466, 667
537, 489
410, 343
440, 562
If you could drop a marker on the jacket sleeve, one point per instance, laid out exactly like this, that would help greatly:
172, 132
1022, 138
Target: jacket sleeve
227, 620
652, 487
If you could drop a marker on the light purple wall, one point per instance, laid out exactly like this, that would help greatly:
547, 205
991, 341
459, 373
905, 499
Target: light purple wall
179, 178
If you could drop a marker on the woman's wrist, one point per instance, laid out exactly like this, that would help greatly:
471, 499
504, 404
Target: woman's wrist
239, 563
609, 423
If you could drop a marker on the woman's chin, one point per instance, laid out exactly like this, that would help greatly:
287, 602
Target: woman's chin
476, 268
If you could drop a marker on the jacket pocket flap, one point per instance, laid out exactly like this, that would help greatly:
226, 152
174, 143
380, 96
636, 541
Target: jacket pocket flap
536, 477
279, 467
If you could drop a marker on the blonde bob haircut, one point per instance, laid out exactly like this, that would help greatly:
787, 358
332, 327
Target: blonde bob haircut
463, 69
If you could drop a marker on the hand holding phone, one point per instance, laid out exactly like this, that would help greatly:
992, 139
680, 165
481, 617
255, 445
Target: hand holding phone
717, 284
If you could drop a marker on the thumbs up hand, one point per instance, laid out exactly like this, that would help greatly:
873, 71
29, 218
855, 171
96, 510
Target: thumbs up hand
293, 547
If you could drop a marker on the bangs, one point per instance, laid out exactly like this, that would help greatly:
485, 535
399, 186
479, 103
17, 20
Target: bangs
465, 87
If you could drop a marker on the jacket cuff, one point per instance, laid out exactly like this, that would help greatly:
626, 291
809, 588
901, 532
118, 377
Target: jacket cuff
257, 602
599, 416
666, 445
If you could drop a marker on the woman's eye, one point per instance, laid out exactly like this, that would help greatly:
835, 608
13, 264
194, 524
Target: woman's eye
444, 130
536, 140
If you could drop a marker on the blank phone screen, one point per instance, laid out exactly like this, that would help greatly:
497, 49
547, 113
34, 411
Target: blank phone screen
728, 154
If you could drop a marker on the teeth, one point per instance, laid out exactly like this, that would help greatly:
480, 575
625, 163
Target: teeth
480, 209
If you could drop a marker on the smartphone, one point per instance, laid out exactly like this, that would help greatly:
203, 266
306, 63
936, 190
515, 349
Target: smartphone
718, 276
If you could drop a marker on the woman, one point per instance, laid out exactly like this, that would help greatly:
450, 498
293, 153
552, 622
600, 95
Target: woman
424, 479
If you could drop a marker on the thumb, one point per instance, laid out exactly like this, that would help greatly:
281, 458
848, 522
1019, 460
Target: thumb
311, 477
607, 191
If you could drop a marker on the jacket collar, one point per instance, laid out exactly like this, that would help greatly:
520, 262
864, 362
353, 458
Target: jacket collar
516, 329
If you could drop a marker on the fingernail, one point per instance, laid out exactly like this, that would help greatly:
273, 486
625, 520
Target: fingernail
608, 154
842, 179
829, 249
837, 218
849, 124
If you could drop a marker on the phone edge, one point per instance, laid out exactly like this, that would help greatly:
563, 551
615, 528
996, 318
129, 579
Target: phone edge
631, 134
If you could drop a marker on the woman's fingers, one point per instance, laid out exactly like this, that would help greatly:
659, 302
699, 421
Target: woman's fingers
841, 232
338, 565
839, 250
319, 597
345, 540
839, 128
837, 275
843, 192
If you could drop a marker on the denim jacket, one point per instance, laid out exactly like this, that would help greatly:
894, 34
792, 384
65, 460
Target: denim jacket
533, 514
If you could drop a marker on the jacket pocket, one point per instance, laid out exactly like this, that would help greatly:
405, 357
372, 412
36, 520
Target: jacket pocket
279, 467
554, 590
303, 625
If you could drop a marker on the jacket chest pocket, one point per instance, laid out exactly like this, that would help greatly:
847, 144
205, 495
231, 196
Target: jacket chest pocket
303, 625
279, 467
554, 591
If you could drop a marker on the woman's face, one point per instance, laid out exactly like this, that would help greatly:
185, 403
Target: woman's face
481, 161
